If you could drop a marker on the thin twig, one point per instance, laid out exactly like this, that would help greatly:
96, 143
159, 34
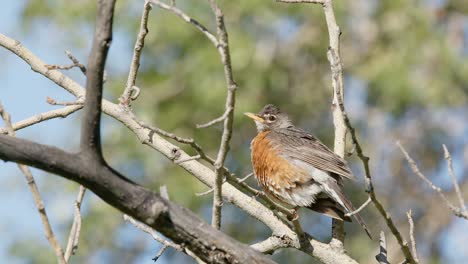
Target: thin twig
152, 232
223, 49
161, 251
208, 191
73, 237
36, 194
62, 112
214, 121
448, 157
130, 93
382, 256
455, 210
187, 19
52, 101
76, 63
360, 207
413, 241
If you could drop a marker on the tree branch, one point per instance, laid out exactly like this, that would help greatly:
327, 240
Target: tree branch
62, 112
36, 194
455, 210
413, 241
187, 19
382, 256
223, 49
448, 157
175, 222
73, 237
128, 93
90, 127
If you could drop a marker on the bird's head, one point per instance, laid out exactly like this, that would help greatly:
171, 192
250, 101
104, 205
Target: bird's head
270, 118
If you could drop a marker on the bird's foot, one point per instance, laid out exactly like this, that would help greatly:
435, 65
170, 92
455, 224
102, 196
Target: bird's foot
294, 216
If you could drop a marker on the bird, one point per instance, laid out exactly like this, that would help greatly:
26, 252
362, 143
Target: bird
294, 167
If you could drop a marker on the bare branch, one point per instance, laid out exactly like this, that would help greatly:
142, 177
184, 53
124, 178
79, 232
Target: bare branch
360, 207
382, 256
161, 251
52, 101
448, 157
152, 232
455, 210
73, 237
223, 49
187, 19
129, 92
90, 127
413, 241
76, 63
214, 121
62, 112
36, 194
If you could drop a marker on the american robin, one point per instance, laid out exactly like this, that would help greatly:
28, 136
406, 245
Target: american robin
294, 167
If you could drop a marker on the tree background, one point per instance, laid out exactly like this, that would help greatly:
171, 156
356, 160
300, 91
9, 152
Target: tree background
406, 78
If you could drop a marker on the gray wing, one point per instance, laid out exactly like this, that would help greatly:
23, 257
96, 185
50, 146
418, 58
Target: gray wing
300, 145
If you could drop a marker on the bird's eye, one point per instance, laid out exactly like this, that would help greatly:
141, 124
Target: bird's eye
272, 118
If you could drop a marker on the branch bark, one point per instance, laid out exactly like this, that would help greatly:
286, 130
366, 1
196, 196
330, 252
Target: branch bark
90, 127
175, 222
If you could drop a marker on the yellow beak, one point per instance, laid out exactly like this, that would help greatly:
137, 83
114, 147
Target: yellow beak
255, 117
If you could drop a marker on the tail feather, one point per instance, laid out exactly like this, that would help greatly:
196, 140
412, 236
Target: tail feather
329, 207
337, 194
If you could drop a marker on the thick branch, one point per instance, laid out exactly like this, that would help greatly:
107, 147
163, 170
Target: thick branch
174, 221
90, 127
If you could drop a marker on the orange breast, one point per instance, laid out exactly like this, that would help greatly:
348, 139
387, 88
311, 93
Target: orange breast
274, 173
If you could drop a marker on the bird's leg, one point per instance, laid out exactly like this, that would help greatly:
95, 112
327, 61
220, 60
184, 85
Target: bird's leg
294, 216
297, 225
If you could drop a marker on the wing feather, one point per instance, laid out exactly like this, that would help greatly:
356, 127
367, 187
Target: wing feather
300, 145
